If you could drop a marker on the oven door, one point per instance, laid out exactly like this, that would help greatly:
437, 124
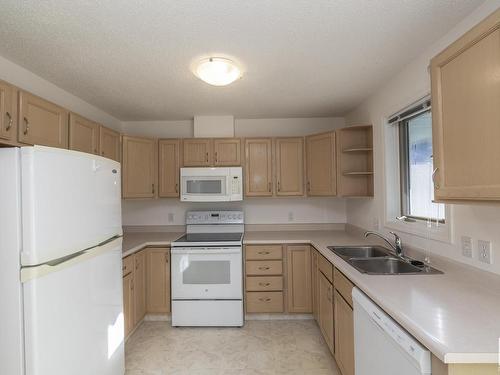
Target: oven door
207, 273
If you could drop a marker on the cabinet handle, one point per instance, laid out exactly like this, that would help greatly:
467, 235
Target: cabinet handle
269, 187
308, 186
136, 264
124, 268
27, 127
152, 188
207, 156
267, 299
176, 188
264, 268
264, 284
264, 252
166, 258
132, 285
279, 186
9, 124
434, 172
215, 156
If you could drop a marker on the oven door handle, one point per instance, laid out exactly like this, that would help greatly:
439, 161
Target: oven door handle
207, 251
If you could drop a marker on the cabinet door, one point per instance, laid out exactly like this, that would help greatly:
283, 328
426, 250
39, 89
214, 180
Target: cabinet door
344, 335
258, 167
314, 284
299, 279
8, 112
169, 159
325, 304
109, 144
139, 167
466, 115
227, 152
139, 286
321, 165
290, 166
158, 281
128, 302
197, 152
83, 134
41, 122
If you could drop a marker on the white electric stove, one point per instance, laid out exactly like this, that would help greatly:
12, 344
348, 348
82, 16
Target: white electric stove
207, 270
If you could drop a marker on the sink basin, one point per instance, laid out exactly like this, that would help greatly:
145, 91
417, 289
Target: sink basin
348, 252
384, 266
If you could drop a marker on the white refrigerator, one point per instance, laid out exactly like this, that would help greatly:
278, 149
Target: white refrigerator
61, 309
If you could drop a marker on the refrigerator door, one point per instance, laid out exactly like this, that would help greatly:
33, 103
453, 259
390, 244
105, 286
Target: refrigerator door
70, 201
74, 314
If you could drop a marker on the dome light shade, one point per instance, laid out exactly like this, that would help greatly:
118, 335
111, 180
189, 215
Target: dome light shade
217, 71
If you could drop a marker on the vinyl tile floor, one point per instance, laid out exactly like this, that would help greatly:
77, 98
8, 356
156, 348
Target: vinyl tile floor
260, 347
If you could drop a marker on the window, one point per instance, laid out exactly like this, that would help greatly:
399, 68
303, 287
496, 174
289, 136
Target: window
415, 150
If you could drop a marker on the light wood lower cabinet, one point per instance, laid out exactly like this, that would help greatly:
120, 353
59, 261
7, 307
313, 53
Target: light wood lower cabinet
139, 167
325, 310
314, 284
41, 122
83, 134
139, 286
264, 302
344, 335
128, 303
8, 112
158, 280
299, 279
109, 144
169, 156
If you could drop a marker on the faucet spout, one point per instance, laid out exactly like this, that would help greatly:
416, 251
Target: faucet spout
397, 247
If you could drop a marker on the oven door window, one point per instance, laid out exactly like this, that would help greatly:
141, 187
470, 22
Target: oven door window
207, 272
208, 186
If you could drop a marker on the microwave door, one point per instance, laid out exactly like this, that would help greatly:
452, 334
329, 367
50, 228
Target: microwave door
204, 189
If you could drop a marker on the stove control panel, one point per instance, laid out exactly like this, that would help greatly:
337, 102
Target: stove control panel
215, 217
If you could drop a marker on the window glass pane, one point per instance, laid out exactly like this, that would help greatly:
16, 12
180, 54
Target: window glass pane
204, 186
420, 186
207, 272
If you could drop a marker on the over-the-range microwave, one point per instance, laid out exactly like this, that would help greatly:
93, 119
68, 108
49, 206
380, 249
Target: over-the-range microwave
211, 184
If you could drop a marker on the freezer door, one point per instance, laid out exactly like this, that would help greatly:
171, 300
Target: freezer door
74, 315
70, 201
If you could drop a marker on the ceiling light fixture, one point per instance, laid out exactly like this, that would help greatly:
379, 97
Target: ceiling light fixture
217, 71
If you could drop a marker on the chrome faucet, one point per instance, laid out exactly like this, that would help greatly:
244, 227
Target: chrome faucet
397, 246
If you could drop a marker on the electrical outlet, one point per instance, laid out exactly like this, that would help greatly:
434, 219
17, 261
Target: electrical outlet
466, 246
484, 251
170, 217
290, 216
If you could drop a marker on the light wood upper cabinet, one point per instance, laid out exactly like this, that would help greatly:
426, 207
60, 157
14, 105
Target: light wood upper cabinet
325, 310
128, 302
158, 280
344, 335
139, 167
227, 152
289, 166
466, 115
321, 165
41, 122
299, 279
8, 112
109, 144
258, 167
169, 151
197, 152
83, 134
139, 286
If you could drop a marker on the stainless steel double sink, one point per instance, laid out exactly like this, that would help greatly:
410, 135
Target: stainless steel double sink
377, 260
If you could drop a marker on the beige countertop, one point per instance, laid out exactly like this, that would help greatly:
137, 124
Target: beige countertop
455, 314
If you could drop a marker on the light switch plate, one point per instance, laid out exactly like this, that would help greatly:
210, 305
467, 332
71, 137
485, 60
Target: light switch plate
466, 246
484, 251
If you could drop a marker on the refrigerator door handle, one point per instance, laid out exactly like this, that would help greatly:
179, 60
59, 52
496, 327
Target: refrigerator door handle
56, 262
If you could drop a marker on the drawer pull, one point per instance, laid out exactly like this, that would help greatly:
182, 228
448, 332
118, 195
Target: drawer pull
264, 284
264, 268
262, 299
264, 252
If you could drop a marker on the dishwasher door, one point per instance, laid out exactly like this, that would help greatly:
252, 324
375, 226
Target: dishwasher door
383, 347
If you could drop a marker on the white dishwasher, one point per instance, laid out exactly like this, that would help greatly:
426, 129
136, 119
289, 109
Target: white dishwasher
382, 346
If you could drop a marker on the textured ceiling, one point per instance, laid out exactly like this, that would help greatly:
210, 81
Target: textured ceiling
302, 57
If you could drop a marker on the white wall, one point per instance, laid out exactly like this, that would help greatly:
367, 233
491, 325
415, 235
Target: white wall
26, 80
412, 83
257, 211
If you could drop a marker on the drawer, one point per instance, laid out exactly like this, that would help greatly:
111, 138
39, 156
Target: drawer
343, 286
258, 252
325, 267
128, 265
264, 267
264, 283
264, 302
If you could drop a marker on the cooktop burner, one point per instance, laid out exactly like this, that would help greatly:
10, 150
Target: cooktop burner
210, 237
